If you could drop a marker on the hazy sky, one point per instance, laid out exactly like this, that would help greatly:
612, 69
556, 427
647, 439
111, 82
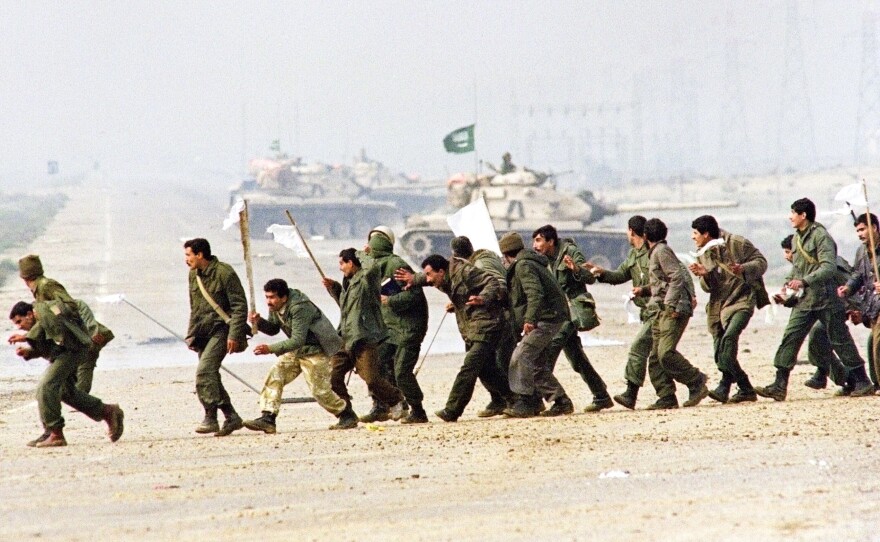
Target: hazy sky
648, 87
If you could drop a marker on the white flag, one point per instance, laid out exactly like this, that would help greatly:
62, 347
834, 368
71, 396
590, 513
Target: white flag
234, 211
286, 236
853, 195
111, 299
473, 221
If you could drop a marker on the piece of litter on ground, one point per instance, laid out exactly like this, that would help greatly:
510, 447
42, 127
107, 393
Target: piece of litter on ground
590, 340
821, 463
615, 474
166, 487
374, 427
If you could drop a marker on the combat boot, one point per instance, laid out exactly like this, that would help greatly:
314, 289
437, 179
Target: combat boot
492, 409
446, 416
416, 415
778, 389
379, 413
39, 439
664, 403
746, 392
55, 439
819, 380
347, 419
265, 423
209, 424
232, 423
628, 398
399, 411
523, 407
845, 390
722, 392
599, 403
114, 417
862, 387
698, 392
561, 407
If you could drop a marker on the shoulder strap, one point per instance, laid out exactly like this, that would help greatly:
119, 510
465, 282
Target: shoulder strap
800, 247
220, 312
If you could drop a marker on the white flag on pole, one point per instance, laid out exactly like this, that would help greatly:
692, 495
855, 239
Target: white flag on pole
473, 221
286, 236
111, 298
234, 211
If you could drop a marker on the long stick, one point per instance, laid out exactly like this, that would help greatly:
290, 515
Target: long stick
233, 375
244, 224
870, 230
303, 239
427, 350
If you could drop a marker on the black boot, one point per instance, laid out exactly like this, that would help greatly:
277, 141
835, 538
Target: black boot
561, 407
494, 408
232, 423
664, 403
819, 380
523, 407
628, 398
209, 424
379, 413
722, 392
347, 419
416, 414
862, 387
600, 402
778, 389
746, 392
265, 423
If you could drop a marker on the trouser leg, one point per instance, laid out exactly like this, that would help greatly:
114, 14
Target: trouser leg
546, 384
86, 370
834, 318
503, 353
526, 357
669, 332
341, 363
874, 349
209, 386
386, 352
799, 324
574, 351
639, 350
316, 370
406, 356
366, 362
727, 345
286, 369
821, 355
479, 354
57, 384
663, 384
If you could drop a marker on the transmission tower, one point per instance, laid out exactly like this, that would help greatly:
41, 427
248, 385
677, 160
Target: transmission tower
867, 148
796, 145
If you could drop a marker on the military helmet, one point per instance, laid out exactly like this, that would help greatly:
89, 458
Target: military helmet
384, 230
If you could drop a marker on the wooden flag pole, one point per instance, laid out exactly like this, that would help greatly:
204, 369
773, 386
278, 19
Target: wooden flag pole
870, 231
312, 256
246, 246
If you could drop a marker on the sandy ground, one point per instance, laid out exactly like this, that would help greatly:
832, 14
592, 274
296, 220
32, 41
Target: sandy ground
803, 469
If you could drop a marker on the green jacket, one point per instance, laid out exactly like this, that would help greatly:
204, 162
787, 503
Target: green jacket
360, 310
535, 296
573, 283
635, 269
57, 329
671, 285
728, 292
304, 324
93, 327
477, 322
815, 263
406, 312
46, 289
223, 285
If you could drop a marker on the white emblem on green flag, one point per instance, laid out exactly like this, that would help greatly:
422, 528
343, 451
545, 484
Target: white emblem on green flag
460, 141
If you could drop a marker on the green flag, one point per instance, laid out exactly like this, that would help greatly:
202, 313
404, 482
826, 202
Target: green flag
460, 141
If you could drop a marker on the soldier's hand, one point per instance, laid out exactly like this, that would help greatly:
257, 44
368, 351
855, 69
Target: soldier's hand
737, 268
254, 317
698, 269
593, 268
475, 301
450, 307
637, 291
842, 291
528, 328
23, 352
231, 346
569, 263
328, 282
778, 299
367, 248
877, 286
99, 340
693, 302
855, 317
19, 338
383, 299
796, 284
261, 349
404, 275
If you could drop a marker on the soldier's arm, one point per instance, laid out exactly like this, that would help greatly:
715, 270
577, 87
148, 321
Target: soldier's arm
826, 254
88, 317
620, 275
579, 272
298, 318
677, 275
270, 326
487, 284
405, 299
754, 264
531, 285
856, 279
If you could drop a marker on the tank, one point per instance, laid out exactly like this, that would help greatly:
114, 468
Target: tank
324, 199
409, 193
523, 201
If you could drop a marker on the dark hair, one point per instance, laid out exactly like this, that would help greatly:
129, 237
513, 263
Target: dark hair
20, 309
437, 262
786, 243
804, 205
863, 219
637, 224
548, 232
707, 224
199, 246
655, 230
461, 247
277, 286
350, 255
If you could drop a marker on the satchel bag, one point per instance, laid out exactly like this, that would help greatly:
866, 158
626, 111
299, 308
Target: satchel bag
583, 312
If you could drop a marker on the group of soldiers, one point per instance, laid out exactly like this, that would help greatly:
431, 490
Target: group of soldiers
516, 313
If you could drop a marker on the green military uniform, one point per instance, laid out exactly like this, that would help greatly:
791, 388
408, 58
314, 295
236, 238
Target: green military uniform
860, 283
482, 326
405, 315
635, 269
310, 343
670, 293
573, 284
208, 332
820, 353
815, 264
362, 330
95, 329
732, 301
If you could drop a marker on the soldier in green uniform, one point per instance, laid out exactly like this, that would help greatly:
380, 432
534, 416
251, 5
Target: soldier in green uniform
672, 304
478, 300
565, 262
488, 261
311, 340
405, 313
635, 269
55, 333
362, 330
730, 268
813, 270
540, 310
101, 335
217, 327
